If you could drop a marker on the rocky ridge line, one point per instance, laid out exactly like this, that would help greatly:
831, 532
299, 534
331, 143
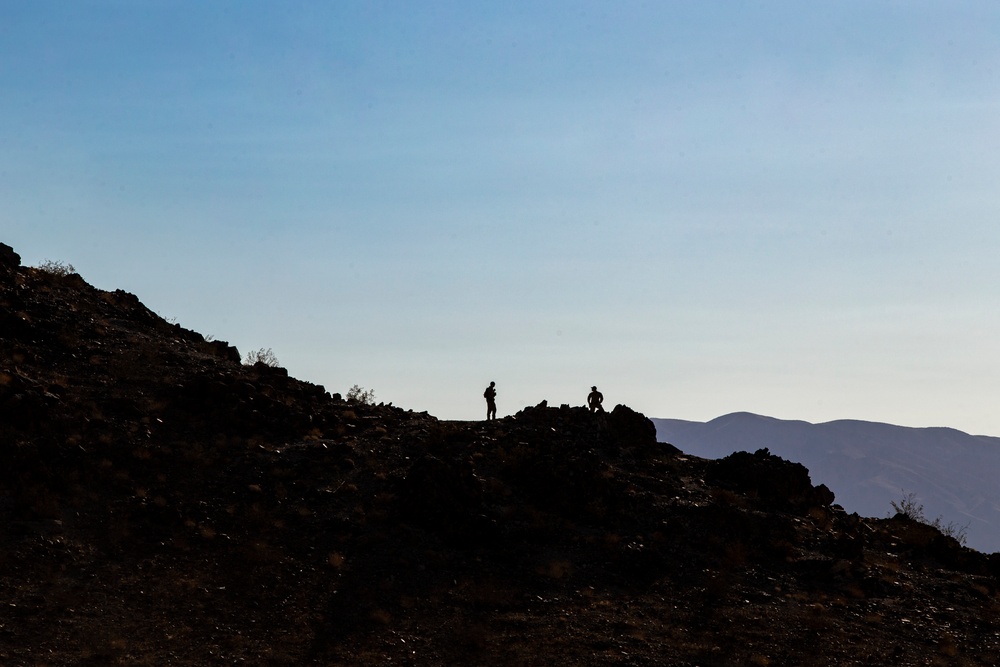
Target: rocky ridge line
164, 504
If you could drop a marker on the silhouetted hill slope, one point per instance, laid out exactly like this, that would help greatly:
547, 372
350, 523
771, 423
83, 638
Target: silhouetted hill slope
162, 504
869, 464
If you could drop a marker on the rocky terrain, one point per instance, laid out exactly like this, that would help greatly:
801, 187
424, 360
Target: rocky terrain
164, 504
870, 464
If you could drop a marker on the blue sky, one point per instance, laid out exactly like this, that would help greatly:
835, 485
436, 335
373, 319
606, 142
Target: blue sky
781, 207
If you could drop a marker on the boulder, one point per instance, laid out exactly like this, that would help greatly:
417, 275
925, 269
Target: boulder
10, 261
773, 480
631, 428
8, 257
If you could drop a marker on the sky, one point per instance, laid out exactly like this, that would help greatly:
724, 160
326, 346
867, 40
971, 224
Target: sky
777, 207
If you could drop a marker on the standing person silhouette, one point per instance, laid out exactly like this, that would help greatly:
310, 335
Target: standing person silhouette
491, 401
595, 399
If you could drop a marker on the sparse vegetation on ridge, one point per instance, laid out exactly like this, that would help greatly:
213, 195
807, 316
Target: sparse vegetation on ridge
56, 267
261, 356
358, 394
911, 508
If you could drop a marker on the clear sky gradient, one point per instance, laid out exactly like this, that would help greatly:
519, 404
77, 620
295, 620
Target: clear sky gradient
701, 207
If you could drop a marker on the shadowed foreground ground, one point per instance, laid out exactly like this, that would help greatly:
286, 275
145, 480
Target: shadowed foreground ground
163, 504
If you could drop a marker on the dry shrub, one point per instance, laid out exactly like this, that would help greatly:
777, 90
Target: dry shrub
56, 267
358, 394
261, 356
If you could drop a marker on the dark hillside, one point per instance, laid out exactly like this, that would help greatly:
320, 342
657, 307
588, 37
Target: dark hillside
870, 464
163, 504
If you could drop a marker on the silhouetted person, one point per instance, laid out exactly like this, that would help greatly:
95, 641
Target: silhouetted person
595, 399
491, 401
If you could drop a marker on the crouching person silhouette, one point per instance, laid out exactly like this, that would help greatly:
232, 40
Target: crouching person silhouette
595, 399
491, 401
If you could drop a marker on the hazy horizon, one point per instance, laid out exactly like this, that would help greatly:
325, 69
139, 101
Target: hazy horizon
782, 209
870, 465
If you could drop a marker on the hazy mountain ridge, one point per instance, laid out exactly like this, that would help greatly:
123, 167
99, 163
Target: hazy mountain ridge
952, 473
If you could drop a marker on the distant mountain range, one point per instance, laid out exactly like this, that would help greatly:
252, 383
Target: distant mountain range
868, 465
